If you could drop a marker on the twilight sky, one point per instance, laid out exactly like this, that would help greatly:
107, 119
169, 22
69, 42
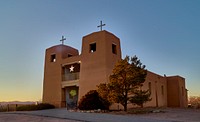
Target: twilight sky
164, 34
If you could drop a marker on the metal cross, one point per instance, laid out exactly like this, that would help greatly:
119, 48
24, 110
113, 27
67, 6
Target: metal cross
63, 39
101, 25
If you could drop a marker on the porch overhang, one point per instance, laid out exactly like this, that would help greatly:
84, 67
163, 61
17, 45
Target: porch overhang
70, 83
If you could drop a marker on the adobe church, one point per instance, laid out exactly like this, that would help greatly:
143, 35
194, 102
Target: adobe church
69, 75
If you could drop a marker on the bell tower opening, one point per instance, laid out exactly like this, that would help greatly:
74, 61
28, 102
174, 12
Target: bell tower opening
53, 58
92, 47
114, 49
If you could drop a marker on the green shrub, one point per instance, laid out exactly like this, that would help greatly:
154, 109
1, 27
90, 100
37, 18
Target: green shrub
92, 101
140, 97
35, 107
45, 106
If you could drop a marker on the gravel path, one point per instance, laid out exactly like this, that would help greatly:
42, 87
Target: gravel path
62, 115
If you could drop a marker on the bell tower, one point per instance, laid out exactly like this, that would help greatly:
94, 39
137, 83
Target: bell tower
52, 83
100, 51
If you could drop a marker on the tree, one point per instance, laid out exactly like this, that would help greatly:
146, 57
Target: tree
103, 91
140, 97
128, 75
194, 101
92, 101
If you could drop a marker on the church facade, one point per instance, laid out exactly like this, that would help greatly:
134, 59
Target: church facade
69, 75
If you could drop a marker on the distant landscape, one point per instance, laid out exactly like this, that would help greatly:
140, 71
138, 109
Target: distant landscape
12, 105
17, 102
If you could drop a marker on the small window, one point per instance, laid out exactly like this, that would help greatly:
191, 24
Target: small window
69, 55
149, 87
53, 58
92, 47
114, 49
162, 89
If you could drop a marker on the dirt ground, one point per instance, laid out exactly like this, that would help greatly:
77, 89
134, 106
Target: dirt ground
29, 118
169, 114
176, 114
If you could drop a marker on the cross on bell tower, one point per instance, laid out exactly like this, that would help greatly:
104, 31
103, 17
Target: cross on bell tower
101, 25
62, 40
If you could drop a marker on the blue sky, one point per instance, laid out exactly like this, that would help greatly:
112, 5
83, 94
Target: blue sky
164, 34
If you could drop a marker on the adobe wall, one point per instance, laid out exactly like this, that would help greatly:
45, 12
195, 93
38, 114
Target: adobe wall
177, 95
158, 90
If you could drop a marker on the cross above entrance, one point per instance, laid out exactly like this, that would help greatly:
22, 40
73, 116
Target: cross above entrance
63, 39
101, 25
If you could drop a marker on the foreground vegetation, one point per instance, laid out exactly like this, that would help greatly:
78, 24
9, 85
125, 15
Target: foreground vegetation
25, 107
41, 106
194, 102
92, 101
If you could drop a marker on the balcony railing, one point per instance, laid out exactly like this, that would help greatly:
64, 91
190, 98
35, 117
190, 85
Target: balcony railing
71, 76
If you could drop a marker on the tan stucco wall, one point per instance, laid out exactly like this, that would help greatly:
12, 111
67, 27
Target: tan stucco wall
177, 94
159, 97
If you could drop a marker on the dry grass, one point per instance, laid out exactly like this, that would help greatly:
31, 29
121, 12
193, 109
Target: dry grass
140, 111
9, 107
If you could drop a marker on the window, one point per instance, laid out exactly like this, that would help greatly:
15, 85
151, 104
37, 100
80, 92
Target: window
53, 58
150, 87
69, 55
162, 89
114, 49
92, 47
